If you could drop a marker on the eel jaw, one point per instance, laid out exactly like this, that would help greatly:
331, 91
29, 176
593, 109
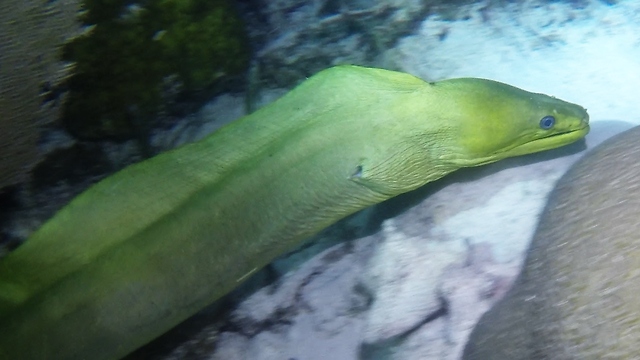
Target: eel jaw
550, 142
538, 145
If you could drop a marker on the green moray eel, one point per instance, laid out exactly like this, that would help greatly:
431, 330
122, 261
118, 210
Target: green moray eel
152, 244
577, 295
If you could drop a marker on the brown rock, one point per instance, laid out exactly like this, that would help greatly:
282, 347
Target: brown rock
577, 296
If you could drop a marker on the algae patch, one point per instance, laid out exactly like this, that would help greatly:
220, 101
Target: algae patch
133, 54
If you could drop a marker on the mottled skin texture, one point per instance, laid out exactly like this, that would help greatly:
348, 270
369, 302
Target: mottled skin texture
578, 296
149, 246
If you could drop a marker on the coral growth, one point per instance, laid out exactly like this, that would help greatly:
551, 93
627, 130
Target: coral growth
131, 53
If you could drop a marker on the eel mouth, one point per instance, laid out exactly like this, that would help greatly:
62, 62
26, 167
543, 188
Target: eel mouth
551, 142
546, 143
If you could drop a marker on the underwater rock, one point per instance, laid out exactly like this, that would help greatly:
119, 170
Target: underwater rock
30, 32
466, 241
296, 38
576, 297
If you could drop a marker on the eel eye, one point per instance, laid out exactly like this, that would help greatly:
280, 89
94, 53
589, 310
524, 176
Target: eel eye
547, 122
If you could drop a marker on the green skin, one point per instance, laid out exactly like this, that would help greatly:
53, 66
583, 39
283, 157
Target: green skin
151, 245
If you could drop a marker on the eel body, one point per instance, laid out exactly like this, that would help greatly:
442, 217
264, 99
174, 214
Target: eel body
152, 244
577, 294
